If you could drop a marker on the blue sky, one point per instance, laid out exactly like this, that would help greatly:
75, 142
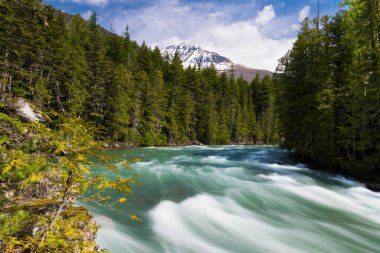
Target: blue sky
255, 33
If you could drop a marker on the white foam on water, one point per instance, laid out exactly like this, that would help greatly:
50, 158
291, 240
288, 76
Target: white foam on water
178, 148
105, 221
157, 167
181, 158
367, 199
279, 178
261, 152
238, 211
205, 223
110, 236
234, 171
346, 181
358, 201
138, 165
284, 167
214, 159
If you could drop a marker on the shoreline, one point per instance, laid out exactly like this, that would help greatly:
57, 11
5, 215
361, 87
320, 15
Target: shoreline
124, 145
372, 184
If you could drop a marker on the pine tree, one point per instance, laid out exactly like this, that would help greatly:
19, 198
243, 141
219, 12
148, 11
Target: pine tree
328, 93
155, 111
119, 104
77, 68
98, 71
174, 79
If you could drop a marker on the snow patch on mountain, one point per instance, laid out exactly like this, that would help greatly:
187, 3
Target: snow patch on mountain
196, 56
192, 55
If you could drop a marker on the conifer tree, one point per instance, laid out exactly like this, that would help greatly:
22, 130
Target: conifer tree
328, 92
155, 111
119, 104
98, 71
77, 74
174, 79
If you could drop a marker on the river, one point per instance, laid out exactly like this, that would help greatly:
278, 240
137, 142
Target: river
239, 199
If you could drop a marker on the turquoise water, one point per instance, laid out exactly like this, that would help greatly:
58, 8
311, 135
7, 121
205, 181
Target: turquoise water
244, 199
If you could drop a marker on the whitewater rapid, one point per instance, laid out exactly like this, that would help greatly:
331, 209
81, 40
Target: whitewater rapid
241, 199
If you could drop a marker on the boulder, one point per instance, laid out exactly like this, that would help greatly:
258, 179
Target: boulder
197, 143
26, 111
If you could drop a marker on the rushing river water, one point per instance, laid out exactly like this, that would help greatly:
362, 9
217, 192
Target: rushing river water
240, 199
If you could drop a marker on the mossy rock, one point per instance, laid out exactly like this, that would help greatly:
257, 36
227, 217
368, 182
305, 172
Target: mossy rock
39, 203
74, 211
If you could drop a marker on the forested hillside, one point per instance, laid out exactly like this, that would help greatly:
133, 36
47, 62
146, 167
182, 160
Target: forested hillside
84, 88
67, 88
329, 90
128, 92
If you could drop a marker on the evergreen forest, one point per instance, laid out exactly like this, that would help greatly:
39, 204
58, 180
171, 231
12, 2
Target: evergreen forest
328, 90
96, 89
93, 88
128, 92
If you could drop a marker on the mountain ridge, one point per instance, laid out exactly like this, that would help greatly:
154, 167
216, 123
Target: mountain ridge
193, 55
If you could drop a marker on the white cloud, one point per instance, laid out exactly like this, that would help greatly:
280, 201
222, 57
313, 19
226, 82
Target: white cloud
159, 22
304, 13
295, 27
266, 15
243, 41
87, 15
91, 2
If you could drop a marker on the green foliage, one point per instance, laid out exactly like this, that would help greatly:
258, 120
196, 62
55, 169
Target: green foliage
16, 223
97, 86
14, 121
48, 179
328, 90
129, 92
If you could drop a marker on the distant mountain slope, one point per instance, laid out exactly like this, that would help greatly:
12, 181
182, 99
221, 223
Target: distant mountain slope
194, 55
250, 73
68, 17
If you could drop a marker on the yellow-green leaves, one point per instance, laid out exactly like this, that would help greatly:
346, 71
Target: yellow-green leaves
58, 169
14, 165
17, 163
33, 178
134, 217
14, 121
83, 168
3, 139
112, 167
122, 200
125, 164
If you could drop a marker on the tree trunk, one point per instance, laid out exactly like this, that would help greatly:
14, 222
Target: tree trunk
62, 207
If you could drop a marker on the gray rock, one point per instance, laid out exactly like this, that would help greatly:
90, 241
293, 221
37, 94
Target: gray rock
27, 112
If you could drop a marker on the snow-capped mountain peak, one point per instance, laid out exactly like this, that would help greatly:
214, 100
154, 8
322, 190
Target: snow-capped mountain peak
192, 55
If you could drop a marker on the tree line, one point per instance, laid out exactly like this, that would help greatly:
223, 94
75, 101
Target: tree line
128, 92
328, 90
